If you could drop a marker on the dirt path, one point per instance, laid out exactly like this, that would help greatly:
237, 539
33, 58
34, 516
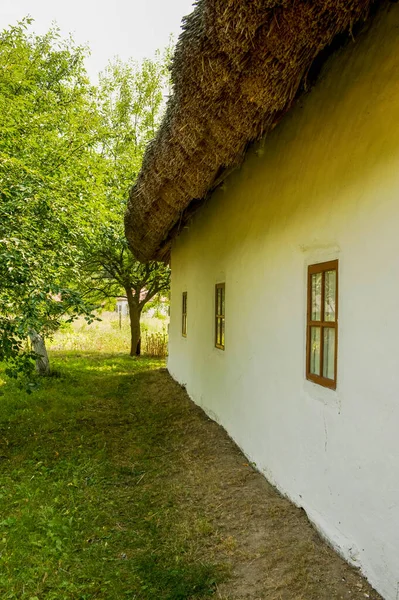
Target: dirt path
273, 550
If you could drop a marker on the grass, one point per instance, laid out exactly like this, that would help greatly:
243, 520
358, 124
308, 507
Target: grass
90, 500
105, 335
115, 486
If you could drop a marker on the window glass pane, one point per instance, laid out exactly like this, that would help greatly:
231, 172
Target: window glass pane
218, 300
316, 297
329, 353
222, 301
329, 295
315, 350
222, 331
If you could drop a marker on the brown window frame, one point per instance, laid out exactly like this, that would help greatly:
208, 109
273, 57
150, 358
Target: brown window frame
220, 317
184, 315
322, 268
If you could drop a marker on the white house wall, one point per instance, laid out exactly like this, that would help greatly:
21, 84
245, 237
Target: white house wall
324, 185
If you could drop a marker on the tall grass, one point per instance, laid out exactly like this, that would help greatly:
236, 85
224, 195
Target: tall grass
111, 334
155, 344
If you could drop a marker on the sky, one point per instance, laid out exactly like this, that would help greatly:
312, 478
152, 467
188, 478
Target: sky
124, 28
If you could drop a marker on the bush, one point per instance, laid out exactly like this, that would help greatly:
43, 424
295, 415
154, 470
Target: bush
155, 344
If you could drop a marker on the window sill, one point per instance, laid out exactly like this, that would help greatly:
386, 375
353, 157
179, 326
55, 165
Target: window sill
322, 382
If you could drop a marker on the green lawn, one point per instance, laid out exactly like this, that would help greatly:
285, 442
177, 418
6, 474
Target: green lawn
90, 500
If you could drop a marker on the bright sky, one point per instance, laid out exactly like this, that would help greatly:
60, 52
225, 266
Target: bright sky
127, 28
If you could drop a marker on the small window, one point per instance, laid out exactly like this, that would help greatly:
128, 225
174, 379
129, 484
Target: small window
184, 315
322, 324
219, 315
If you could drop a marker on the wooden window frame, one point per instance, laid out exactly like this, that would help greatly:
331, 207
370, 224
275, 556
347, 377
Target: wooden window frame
221, 316
322, 268
184, 315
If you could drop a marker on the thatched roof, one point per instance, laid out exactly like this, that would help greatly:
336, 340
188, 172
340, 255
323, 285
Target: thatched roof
238, 67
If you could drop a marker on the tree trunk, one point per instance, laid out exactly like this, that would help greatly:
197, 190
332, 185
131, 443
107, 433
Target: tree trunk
134, 317
39, 347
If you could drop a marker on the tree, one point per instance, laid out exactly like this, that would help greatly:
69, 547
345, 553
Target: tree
131, 101
49, 129
68, 155
113, 271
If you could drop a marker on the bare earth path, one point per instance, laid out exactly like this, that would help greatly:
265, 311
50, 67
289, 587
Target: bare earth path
273, 551
115, 486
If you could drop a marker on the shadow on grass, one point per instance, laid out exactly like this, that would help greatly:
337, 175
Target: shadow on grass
90, 502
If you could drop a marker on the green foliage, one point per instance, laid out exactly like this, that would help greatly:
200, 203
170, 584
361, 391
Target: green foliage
131, 101
105, 335
130, 98
68, 154
48, 174
160, 305
90, 504
110, 269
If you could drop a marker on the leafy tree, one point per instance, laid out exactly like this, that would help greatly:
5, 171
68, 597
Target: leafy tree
49, 129
131, 102
113, 271
68, 154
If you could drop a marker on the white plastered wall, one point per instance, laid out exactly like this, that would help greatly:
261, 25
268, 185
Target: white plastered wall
324, 185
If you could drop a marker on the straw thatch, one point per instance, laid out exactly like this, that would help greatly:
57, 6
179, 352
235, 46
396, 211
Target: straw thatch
238, 67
